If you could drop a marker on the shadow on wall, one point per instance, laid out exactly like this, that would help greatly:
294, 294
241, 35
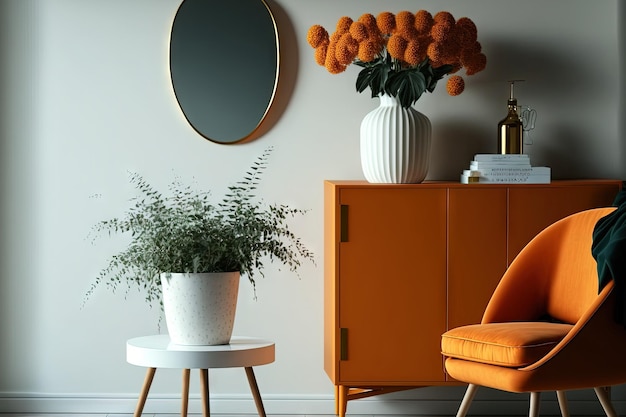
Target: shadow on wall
568, 96
288, 69
18, 188
455, 142
562, 86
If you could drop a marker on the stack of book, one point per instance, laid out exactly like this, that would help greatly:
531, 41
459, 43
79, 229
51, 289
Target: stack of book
504, 169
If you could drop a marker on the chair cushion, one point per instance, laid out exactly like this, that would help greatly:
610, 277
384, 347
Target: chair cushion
512, 345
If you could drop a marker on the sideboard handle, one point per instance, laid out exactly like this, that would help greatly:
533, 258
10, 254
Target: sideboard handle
343, 344
344, 223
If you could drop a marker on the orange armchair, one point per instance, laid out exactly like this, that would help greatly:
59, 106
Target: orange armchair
546, 327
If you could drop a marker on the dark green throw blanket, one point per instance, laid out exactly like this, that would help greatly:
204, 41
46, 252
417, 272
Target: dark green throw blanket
609, 250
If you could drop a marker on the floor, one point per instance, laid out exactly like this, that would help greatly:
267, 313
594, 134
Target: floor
117, 415
173, 415
149, 415
200, 415
124, 415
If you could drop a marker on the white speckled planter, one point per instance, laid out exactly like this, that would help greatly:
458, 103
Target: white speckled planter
395, 143
200, 308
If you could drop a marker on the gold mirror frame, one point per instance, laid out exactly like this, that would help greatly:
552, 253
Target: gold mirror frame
224, 66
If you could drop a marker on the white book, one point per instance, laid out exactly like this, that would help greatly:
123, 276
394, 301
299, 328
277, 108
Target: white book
537, 175
500, 173
508, 171
478, 166
532, 179
534, 171
497, 157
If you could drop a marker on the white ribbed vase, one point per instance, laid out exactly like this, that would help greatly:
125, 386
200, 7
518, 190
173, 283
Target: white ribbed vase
200, 308
395, 143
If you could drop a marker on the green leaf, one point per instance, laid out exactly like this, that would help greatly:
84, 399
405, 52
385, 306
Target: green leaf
370, 77
386, 75
437, 74
373, 75
407, 85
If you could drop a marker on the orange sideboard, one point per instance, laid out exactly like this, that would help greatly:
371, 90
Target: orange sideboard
403, 263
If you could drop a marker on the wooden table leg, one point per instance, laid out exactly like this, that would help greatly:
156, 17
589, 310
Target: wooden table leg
185, 393
204, 392
343, 400
144, 391
255, 391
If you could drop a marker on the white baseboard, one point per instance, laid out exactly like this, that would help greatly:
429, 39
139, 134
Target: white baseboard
298, 405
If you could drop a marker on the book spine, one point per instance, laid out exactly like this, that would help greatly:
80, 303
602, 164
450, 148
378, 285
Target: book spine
500, 167
509, 175
488, 157
530, 179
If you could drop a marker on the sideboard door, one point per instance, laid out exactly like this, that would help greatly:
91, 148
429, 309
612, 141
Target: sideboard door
392, 286
477, 250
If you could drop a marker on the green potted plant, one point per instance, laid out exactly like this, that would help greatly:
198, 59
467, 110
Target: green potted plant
186, 238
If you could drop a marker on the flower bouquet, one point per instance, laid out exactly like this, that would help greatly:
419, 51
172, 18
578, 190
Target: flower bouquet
402, 55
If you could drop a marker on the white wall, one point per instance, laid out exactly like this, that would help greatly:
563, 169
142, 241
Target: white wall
86, 96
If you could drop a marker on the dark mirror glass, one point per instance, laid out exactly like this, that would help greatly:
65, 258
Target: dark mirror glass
224, 66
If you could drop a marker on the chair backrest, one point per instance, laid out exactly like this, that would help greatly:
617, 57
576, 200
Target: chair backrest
554, 277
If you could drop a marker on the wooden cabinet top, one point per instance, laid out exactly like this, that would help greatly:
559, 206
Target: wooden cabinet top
454, 184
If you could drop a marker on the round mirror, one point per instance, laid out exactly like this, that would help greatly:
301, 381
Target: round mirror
224, 66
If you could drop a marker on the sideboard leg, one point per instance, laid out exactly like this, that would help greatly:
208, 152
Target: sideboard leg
144, 391
185, 393
204, 392
343, 400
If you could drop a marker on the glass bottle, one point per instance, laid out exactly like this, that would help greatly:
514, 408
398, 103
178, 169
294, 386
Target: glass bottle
510, 129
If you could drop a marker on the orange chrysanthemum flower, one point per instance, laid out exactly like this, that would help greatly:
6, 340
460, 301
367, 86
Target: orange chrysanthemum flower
414, 53
334, 38
320, 54
405, 20
368, 50
436, 52
332, 64
369, 21
396, 45
343, 25
474, 48
440, 32
317, 36
386, 23
423, 22
451, 50
444, 17
455, 85
467, 31
405, 24
408, 32
359, 31
346, 49
475, 64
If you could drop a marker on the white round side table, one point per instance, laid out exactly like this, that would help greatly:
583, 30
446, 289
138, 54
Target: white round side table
158, 352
